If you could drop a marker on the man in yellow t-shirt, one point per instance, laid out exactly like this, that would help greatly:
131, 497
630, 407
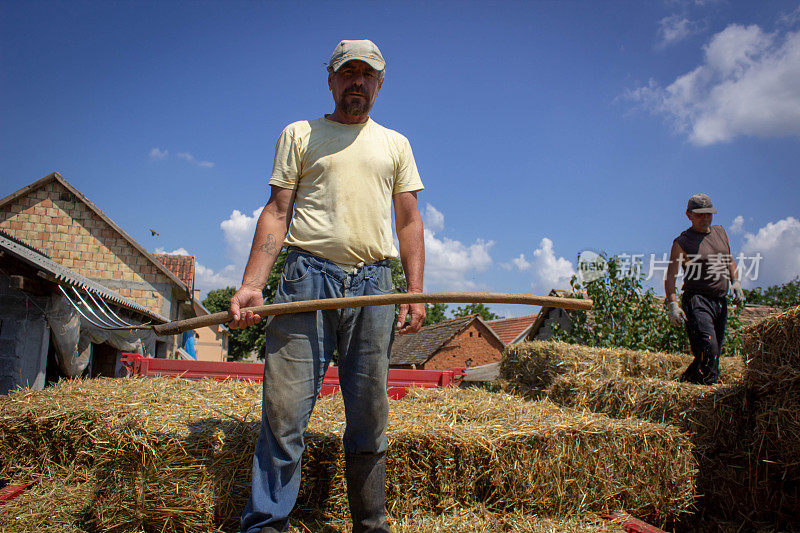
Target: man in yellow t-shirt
333, 183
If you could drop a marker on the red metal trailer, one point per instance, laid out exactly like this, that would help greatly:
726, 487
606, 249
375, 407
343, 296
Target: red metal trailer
400, 380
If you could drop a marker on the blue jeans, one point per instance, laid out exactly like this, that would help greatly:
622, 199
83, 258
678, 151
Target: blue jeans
299, 348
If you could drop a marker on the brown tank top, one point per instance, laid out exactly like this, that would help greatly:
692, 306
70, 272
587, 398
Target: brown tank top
709, 254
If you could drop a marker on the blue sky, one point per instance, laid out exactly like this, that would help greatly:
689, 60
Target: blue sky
540, 129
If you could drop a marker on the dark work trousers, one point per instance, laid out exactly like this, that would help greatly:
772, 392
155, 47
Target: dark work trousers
705, 325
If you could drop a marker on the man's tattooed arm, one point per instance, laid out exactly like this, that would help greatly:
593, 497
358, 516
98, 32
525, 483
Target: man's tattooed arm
269, 247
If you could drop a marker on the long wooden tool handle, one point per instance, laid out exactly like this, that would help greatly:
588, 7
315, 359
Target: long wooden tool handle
171, 328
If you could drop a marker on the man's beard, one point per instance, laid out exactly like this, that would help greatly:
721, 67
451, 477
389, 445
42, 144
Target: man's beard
355, 106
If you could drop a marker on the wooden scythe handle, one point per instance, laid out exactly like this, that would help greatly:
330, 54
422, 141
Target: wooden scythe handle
171, 328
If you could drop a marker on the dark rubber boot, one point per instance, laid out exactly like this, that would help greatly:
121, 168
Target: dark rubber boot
277, 527
366, 491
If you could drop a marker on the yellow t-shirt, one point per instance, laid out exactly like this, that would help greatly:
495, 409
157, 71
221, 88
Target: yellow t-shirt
345, 176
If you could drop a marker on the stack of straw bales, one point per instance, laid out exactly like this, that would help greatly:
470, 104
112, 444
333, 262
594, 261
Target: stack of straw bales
530, 368
171, 455
745, 432
54, 505
772, 352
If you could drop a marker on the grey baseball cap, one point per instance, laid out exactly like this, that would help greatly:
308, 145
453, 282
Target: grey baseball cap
700, 203
362, 50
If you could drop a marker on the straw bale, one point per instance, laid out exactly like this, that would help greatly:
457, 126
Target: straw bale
56, 503
530, 368
747, 446
172, 455
771, 350
44, 427
777, 423
464, 520
649, 399
714, 413
463, 446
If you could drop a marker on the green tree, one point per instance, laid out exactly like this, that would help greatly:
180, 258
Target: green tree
398, 276
243, 342
783, 295
435, 313
472, 309
624, 315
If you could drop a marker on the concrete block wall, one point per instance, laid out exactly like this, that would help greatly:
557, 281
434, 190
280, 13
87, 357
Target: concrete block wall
475, 343
24, 339
56, 222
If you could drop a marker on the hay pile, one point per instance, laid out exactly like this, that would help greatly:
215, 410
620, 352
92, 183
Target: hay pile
172, 455
715, 417
56, 503
771, 349
746, 434
656, 400
479, 519
530, 368
48, 508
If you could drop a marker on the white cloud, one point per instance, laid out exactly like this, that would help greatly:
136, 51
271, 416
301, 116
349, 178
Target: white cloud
434, 219
748, 85
239, 230
790, 19
550, 272
674, 29
738, 225
779, 246
450, 264
206, 279
521, 263
179, 251
191, 159
157, 155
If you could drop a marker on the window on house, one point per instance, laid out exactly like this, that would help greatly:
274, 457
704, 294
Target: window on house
479, 334
470, 334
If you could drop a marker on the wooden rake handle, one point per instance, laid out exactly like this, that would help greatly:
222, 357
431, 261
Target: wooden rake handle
171, 328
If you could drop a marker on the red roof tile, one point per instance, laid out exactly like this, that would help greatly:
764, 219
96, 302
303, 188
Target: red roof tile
508, 329
180, 265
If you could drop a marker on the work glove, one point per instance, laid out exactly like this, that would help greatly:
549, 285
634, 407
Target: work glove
737, 292
676, 315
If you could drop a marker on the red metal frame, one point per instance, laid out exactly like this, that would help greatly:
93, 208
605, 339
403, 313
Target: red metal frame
632, 524
400, 380
9, 492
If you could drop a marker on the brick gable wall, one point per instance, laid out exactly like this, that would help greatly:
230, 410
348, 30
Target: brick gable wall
56, 222
483, 349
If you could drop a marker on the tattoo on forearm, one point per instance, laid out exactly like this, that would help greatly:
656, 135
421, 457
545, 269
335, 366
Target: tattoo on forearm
269, 247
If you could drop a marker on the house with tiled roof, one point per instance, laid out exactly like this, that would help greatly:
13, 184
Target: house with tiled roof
512, 330
180, 265
54, 217
460, 342
211, 343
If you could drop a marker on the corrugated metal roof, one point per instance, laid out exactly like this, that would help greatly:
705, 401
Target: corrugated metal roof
487, 372
67, 277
